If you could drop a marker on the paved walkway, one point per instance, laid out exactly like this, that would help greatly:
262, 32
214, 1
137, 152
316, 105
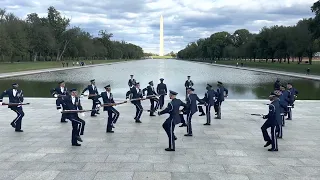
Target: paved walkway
283, 73
231, 148
22, 73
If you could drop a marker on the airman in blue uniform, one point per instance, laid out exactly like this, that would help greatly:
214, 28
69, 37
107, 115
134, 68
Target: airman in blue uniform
154, 101
113, 114
173, 109
271, 122
58, 93
293, 96
209, 100
136, 93
285, 99
93, 95
162, 91
131, 81
188, 84
16, 97
276, 85
222, 92
280, 116
192, 108
72, 102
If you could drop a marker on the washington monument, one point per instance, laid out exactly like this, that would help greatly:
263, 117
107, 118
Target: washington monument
161, 53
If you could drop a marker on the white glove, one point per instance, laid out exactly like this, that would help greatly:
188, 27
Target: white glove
82, 96
127, 100
98, 106
60, 110
1, 103
83, 114
56, 95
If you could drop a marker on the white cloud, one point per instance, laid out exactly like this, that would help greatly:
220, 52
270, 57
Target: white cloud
184, 20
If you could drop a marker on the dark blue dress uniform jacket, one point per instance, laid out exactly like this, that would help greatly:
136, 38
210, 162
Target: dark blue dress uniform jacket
174, 110
106, 100
12, 99
192, 103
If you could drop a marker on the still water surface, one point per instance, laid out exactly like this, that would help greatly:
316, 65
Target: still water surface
240, 83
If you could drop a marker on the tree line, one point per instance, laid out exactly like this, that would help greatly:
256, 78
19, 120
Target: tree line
52, 39
276, 43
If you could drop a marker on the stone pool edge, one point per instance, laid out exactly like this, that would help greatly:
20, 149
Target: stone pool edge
23, 73
297, 75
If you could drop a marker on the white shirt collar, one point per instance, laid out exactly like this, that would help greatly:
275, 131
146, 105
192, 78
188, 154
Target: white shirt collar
14, 92
73, 99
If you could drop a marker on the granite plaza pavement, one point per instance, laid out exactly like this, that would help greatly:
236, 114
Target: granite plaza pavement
231, 148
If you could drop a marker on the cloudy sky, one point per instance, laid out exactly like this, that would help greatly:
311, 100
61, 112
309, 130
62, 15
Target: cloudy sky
137, 21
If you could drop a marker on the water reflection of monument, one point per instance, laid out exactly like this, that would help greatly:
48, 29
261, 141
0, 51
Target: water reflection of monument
161, 51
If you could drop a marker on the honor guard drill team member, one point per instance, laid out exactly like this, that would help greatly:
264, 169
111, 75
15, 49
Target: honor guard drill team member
271, 122
113, 114
162, 91
131, 81
174, 118
209, 87
293, 97
72, 102
209, 100
188, 84
93, 95
285, 99
136, 93
222, 92
15, 97
58, 93
150, 91
280, 119
276, 85
192, 108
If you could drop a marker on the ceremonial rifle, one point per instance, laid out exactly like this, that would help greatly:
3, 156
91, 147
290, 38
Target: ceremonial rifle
113, 104
14, 104
257, 115
75, 111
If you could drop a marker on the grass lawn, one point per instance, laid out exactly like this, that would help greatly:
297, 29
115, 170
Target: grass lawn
162, 57
292, 67
25, 66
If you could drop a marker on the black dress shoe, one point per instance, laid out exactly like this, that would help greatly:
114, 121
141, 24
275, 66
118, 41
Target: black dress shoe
175, 138
110, 131
13, 125
19, 130
183, 125
76, 144
64, 121
97, 113
188, 135
148, 110
206, 124
169, 149
93, 115
79, 139
138, 121
152, 115
288, 119
202, 114
272, 149
267, 144
217, 117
